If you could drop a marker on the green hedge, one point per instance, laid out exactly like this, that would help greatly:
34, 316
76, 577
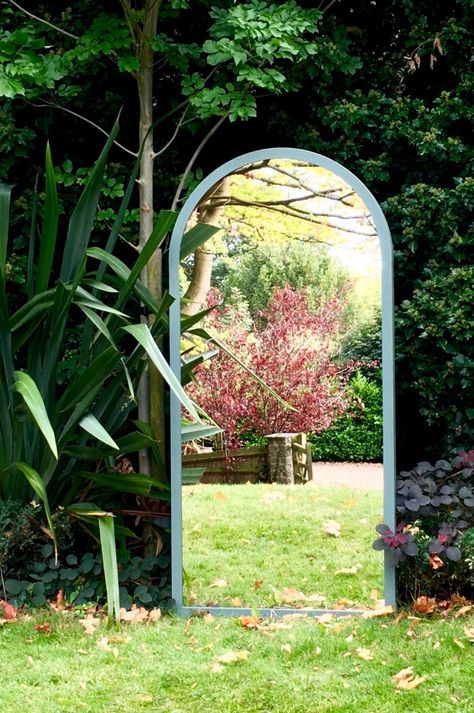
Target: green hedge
356, 436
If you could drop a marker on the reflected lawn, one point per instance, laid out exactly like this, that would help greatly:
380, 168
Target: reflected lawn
269, 544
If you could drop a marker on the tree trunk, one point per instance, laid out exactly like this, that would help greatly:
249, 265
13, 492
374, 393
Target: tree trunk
198, 289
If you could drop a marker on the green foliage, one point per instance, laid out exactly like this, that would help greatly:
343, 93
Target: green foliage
142, 581
357, 435
257, 272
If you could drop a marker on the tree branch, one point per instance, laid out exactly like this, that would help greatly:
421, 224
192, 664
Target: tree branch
193, 158
53, 105
44, 22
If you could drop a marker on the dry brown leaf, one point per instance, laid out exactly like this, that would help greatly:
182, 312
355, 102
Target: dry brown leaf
43, 628
424, 605
135, 615
469, 631
374, 613
436, 562
236, 602
8, 611
219, 583
249, 622
374, 595
286, 648
365, 654
332, 528
208, 618
219, 495
90, 623
290, 594
407, 680
257, 584
463, 610
217, 667
325, 618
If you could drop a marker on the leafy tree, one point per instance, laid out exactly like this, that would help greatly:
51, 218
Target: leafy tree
257, 271
291, 349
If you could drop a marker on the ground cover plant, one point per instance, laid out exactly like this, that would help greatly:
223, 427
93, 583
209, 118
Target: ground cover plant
270, 544
433, 546
289, 666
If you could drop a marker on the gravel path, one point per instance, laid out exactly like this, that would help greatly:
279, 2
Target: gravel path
361, 476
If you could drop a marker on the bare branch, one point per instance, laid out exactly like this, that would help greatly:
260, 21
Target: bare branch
193, 158
179, 125
54, 105
43, 21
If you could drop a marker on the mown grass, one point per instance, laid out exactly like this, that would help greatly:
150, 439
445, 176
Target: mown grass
170, 666
274, 535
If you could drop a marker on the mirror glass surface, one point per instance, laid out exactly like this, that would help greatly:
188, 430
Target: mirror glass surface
295, 275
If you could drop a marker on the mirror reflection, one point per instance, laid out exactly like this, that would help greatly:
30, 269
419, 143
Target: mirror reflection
279, 507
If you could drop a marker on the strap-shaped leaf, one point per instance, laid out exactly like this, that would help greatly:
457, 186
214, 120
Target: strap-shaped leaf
135, 483
203, 334
195, 237
109, 563
99, 323
144, 337
193, 431
94, 375
5, 192
50, 227
92, 425
36, 482
82, 218
25, 386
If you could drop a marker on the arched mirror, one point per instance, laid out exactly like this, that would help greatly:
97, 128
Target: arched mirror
298, 264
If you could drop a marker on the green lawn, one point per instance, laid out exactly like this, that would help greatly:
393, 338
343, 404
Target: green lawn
250, 543
173, 666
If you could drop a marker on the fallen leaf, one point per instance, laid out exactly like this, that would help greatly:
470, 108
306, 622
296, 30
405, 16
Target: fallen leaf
286, 648
437, 644
459, 643
436, 562
208, 618
103, 643
236, 602
219, 495
290, 594
349, 570
374, 613
349, 504
407, 680
317, 651
424, 605
219, 583
325, 618
463, 610
374, 595
349, 638
217, 667
332, 528
269, 498
469, 631
43, 628
257, 584
135, 615
8, 610
249, 622
90, 623
365, 654
233, 656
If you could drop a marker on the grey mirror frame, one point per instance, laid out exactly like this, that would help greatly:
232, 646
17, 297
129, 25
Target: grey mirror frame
388, 373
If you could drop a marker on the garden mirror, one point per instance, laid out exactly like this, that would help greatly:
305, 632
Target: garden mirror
303, 255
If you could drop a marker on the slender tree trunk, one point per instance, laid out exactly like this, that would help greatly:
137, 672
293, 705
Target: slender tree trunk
198, 289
